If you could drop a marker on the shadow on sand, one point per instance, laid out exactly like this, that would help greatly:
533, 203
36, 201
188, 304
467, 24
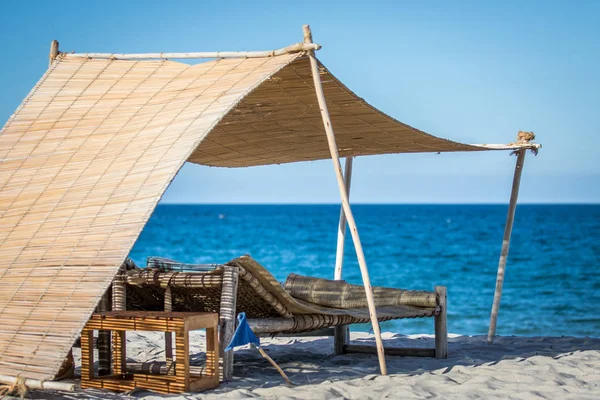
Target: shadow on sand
311, 361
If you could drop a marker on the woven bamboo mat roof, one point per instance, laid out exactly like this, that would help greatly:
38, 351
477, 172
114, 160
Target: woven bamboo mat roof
280, 122
90, 151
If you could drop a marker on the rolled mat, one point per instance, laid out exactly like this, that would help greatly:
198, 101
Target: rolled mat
340, 294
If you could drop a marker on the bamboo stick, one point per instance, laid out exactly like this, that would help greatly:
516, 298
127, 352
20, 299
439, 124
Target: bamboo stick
273, 363
345, 202
35, 384
53, 52
295, 48
506, 244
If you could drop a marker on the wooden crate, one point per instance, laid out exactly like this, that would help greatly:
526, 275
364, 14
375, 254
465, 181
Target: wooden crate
118, 322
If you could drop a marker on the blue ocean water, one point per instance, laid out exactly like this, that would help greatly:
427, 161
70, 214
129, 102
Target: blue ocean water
552, 284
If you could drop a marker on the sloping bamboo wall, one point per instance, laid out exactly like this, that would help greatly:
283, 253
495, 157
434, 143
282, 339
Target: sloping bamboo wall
84, 161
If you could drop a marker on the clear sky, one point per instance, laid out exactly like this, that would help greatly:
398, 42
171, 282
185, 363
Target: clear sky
474, 71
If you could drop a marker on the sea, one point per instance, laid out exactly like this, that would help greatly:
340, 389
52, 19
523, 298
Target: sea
552, 283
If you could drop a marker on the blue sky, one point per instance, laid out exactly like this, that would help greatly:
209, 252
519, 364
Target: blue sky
470, 71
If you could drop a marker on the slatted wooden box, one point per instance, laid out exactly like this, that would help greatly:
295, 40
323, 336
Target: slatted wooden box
118, 322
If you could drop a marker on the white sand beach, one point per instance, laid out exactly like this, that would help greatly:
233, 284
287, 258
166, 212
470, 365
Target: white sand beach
513, 367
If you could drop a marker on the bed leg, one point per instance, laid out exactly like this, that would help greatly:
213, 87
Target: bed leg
441, 328
168, 307
341, 338
227, 319
104, 348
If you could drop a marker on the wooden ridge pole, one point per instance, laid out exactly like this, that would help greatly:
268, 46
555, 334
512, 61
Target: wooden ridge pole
506, 243
294, 48
335, 157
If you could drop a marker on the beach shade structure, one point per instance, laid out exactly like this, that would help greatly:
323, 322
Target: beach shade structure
243, 336
89, 152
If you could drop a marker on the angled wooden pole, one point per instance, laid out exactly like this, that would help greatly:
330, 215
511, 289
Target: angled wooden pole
53, 52
335, 157
273, 363
506, 243
339, 255
341, 335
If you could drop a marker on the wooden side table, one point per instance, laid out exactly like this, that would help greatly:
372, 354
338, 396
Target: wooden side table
118, 322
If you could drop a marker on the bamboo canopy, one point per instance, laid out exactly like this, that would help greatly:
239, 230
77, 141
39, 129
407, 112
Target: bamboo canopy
90, 151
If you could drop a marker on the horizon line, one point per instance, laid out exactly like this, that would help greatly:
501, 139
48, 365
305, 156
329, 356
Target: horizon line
381, 204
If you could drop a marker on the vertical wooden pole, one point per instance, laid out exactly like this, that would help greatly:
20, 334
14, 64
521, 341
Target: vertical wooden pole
345, 202
441, 324
341, 335
506, 244
227, 318
53, 52
339, 255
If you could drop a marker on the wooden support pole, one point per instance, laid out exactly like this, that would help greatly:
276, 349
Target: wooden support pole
441, 324
506, 244
341, 335
53, 52
345, 201
227, 318
339, 255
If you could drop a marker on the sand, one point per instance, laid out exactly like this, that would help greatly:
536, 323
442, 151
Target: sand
513, 367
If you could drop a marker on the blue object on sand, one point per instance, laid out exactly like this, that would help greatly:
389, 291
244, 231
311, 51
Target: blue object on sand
243, 334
